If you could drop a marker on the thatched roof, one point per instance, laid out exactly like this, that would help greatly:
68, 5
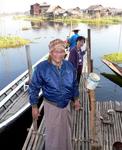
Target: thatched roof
36, 4
74, 11
44, 4
56, 9
95, 7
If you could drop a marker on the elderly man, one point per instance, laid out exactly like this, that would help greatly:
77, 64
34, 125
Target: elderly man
57, 79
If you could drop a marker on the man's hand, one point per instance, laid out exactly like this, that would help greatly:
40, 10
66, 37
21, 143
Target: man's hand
77, 104
35, 112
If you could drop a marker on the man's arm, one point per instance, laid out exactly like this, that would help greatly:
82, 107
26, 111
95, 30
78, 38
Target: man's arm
34, 89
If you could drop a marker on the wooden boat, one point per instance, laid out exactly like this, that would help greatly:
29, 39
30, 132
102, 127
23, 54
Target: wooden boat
114, 78
114, 67
14, 99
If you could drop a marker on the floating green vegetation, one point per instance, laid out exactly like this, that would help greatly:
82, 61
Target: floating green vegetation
30, 18
66, 20
94, 21
102, 21
12, 41
114, 57
35, 27
34, 19
114, 78
25, 28
74, 20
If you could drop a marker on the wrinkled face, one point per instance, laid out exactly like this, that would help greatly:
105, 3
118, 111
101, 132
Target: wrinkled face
57, 55
80, 43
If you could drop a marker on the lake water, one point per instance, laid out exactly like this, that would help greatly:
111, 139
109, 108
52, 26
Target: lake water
104, 40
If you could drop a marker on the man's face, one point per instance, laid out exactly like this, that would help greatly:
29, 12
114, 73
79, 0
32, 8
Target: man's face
57, 55
80, 43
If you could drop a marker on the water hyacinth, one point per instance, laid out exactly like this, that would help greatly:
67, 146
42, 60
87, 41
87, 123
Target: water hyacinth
114, 57
25, 28
12, 41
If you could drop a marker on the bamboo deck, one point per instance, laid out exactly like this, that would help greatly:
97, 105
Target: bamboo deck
108, 123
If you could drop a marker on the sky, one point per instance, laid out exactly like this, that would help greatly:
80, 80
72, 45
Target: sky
24, 5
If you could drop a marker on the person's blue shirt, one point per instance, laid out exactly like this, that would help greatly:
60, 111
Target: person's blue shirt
72, 40
58, 85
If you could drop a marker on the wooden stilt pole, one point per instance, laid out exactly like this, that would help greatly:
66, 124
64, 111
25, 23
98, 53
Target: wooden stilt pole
91, 93
29, 63
92, 96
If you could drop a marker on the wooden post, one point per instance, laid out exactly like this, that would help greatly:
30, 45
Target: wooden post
91, 92
29, 63
89, 50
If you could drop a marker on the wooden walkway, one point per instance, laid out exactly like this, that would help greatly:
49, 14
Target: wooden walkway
80, 130
108, 123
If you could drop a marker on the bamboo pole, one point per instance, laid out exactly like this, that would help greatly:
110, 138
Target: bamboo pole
29, 63
83, 123
91, 92
88, 47
31, 135
40, 133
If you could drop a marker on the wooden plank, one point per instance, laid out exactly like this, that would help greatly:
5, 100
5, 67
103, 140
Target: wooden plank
74, 130
30, 137
27, 138
110, 127
38, 135
110, 133
41, 141
80, 127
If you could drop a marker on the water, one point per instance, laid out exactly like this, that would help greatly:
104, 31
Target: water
14, 135
104, 40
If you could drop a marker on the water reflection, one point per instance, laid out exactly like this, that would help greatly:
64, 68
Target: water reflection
36, 25
46, 25
98, 27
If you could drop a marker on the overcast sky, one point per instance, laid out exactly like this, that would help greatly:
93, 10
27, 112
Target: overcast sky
24, 5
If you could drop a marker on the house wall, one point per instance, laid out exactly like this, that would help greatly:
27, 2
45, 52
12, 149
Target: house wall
35, 9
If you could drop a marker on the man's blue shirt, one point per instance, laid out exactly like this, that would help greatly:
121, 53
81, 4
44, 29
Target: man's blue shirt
58, 85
